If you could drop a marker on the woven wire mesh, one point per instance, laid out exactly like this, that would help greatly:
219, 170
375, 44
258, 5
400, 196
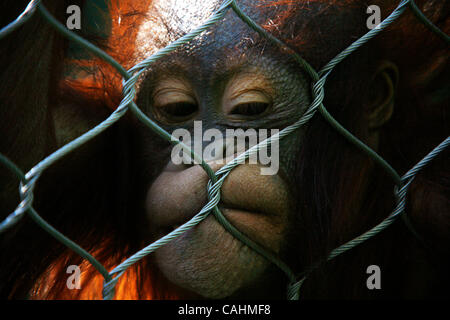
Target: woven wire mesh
130, 77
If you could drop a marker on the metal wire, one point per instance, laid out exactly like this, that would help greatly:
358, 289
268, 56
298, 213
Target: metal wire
21, 19
130, 77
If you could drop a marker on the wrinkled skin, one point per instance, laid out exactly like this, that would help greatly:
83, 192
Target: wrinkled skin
120, 192
213, 81
257, 205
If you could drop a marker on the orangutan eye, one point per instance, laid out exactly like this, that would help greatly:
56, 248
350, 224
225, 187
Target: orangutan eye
174, 101
250, 109
178, 111
247, 96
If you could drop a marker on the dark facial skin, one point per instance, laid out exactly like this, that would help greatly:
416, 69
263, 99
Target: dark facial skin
214, 80
208, 260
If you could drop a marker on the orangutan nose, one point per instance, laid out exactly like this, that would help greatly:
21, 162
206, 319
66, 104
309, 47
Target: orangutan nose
180, 191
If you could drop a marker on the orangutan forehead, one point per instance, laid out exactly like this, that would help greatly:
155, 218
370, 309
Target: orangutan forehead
167, 20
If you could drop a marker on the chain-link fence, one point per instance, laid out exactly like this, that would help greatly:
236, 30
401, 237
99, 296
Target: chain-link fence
130, 77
